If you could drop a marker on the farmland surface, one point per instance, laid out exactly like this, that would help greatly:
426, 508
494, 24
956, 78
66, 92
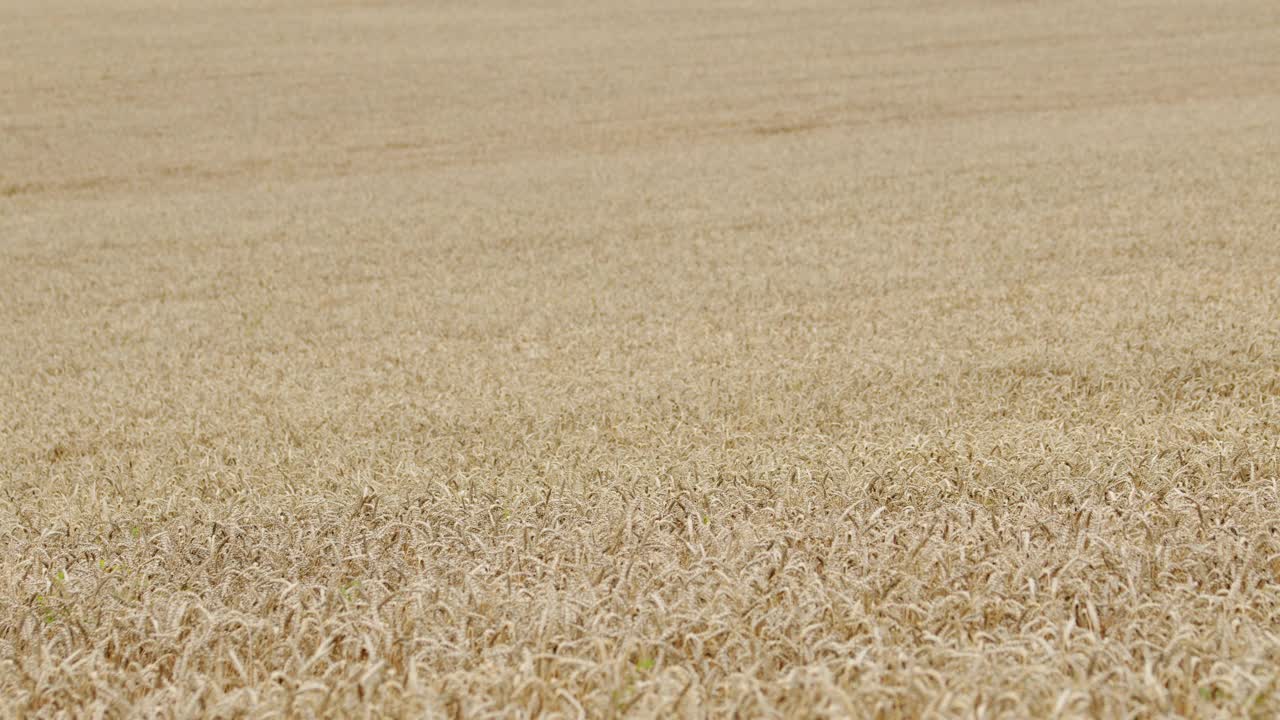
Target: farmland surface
497, 358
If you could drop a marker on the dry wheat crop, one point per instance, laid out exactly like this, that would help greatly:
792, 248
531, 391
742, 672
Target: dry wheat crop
649, 359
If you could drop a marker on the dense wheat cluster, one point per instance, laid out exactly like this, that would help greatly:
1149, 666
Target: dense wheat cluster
652, 359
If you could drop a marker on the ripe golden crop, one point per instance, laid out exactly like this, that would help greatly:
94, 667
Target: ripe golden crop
639, 359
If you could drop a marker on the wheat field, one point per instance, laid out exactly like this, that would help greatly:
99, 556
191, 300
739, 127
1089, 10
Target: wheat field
639, 359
